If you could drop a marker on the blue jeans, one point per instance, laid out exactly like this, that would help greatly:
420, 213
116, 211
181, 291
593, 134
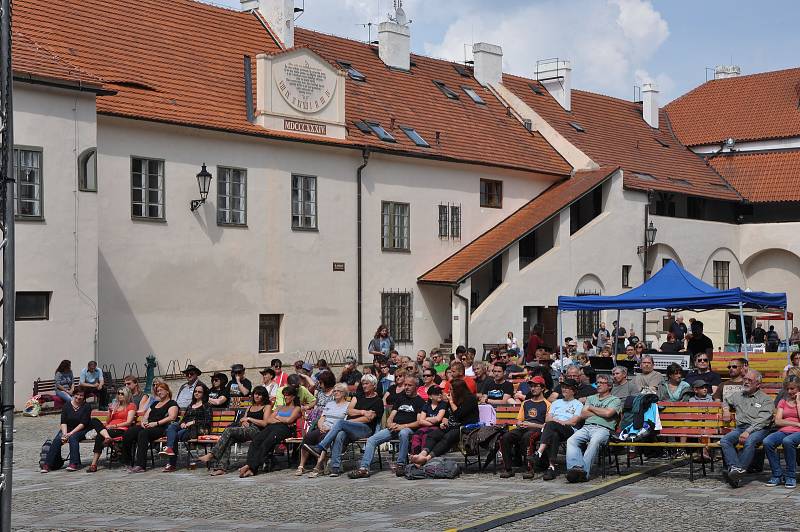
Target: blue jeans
729, 442
591, 436
343, 432
64, 395
790, 441
382, 436
175, 434
74, 442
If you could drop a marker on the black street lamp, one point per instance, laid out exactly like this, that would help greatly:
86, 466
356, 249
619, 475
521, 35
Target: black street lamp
650, 234
204, 183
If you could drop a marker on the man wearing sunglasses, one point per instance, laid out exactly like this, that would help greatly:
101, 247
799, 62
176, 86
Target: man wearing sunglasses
702, 370
736, 370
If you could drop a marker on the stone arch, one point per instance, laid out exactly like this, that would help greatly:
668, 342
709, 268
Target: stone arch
660, 251
774, 270
736, 274
590, 283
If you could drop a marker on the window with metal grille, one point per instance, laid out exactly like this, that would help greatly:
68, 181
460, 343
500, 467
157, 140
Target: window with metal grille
721, 274
87, 170
231, 196
588, 320
28, 169
269, 333
396, 313
444, 227
33, 306
455, 221
304, 202
147, 188
491, 193
626, 276
395, 226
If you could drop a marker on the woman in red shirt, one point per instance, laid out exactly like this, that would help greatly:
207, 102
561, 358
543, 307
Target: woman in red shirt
121, 415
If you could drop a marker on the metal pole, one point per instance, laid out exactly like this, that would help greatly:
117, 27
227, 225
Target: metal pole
744, 332
646, 260
561, 342
616, 335
8, 288
786, 331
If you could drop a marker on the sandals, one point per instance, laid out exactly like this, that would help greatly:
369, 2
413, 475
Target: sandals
315, 473
300, 471
358, 473
91, 469
217, 472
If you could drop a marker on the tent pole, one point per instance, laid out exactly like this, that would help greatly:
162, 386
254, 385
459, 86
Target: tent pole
744, 332
616, 336
786, 331
560, 342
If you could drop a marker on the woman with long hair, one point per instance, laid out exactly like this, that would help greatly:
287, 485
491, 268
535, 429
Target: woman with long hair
250, 424
381, 344
787, 419
463, 411
279, 426
121, 416
64, 381
196, 421
153, 426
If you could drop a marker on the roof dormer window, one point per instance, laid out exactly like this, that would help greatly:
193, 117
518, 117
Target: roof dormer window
415, 137
473, 95
352, 71
447, 91
380, 132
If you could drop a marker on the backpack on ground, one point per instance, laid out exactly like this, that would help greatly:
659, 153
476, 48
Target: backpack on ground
59, 461
436, 468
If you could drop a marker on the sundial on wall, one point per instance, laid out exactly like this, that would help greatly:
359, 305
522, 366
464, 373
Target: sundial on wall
306, 84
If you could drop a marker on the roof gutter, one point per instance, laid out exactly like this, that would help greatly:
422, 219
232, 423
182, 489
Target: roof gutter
359, 291
62, 84
469, 312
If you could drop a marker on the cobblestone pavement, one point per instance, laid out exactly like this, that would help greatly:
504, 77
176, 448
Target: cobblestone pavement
190, 500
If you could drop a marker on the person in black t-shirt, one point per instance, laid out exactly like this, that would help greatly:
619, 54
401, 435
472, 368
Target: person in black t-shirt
218, 393
759, 335
363, 414
463, 411
407, 413
497, 391
76, 416
583, 390
531, 419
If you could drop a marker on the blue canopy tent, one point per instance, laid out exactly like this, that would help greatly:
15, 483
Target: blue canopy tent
672, 289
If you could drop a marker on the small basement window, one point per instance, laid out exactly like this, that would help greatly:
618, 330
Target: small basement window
415, 137
577, 127
380, 132
447, 91
352, 71
473, 95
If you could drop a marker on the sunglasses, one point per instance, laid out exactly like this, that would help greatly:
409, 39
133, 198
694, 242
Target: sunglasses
702, 360
732, 366
427, 375
120, 393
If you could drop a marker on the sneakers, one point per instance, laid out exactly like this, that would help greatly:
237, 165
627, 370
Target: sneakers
313, 449
734, 476
72, 467
167, 451
169, 468
790, 483
44, 469
549, 473
358, 473
334, 473
506, 474
534, 459
400, 470
774, 481
136, 469
576, 474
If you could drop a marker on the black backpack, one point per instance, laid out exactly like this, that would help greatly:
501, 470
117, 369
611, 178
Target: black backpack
59, 462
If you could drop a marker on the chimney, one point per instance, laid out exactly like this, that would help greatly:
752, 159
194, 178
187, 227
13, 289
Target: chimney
556, 76
488, 65
394, 40
650, 104
279, 14
726, 71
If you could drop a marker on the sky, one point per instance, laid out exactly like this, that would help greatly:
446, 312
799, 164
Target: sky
613, 45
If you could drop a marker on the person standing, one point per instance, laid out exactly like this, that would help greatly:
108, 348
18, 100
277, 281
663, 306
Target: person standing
534, 342
619, 335
773, 340
600, 336
759, 335
679, 330
382, 343
76, 417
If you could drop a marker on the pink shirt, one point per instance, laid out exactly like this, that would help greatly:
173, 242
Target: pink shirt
789, 413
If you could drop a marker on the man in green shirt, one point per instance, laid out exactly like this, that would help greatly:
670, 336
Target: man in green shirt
600, 414
438, 362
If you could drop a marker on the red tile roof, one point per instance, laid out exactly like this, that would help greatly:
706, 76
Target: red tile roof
181, 62
616, 134
768, 176
32, 62
754, 107
527, 218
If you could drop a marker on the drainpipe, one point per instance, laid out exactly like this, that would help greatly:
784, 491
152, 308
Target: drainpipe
466, 322
365, 156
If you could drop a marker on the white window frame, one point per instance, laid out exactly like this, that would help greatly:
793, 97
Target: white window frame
226, 213
395, 226
305, 212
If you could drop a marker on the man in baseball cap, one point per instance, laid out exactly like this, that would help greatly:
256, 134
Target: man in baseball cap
530, 421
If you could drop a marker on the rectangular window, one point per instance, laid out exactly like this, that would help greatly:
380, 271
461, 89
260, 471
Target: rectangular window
87, 171
491, 194
588, 320
455, 221
304, 202
473, 94
444, 222
33, 306
415, 137
231, 196
269, 333
395, 226
695, 208
721, 274
447, 91
147, 188
28, 166
396, 313
626, 276
585, 210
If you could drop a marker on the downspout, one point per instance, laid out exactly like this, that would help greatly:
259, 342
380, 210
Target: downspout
365, 156
466, 322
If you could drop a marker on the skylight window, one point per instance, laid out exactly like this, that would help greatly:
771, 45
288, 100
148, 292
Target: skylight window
577, 127
352, 71
536, 89
447, 91
680, 181
380, 132
462, 70
363, 127
474, 95
664, 144
415, 137
646, 177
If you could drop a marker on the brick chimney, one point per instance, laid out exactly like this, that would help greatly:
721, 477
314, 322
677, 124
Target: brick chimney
650, 104
279, 14
488, 63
